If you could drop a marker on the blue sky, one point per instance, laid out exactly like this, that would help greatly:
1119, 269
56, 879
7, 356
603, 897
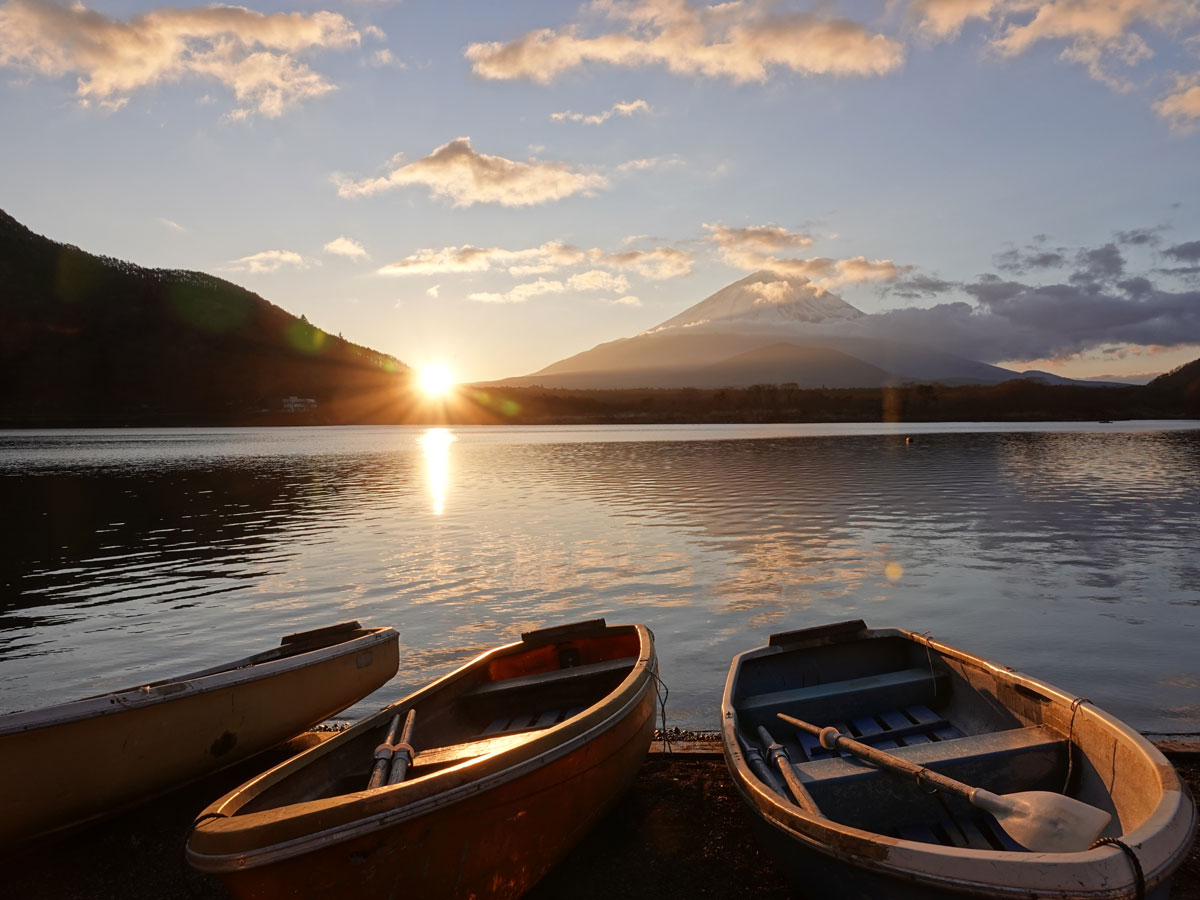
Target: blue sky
970, 157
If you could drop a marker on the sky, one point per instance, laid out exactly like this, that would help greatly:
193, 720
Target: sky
496, 186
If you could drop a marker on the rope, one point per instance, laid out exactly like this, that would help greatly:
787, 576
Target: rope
662, 706
1139, 878
929, 658
1075, 704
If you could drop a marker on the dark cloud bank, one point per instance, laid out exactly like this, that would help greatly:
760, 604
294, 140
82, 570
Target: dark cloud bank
1092, 300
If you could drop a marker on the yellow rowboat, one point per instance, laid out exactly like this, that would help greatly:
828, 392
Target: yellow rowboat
68, 764
500, 768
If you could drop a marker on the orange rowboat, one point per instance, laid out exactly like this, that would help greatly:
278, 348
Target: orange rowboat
503, 766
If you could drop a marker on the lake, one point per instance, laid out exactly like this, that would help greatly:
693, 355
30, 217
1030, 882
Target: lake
1069, 551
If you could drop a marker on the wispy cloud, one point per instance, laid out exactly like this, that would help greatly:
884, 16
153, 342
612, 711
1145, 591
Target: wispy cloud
344, 246
628, 301
249, 52
1181, 107
740, 41
456, 171
757, 247
267, 261
617, 109
520, 293
594, 280
1104, 36
174, 226
656, 263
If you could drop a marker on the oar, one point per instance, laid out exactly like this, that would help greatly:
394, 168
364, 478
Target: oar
778, 754
402, 753
383, 756
1041, 821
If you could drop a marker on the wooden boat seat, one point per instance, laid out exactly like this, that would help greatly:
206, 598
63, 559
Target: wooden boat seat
554, 677
988, 751
849, 698
526, 722
456, 753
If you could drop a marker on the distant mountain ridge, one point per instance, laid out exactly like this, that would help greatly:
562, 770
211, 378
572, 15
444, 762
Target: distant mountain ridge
735, 338
90, 338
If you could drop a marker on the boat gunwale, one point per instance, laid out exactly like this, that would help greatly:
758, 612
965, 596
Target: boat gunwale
531, 757
922, 862
244, 671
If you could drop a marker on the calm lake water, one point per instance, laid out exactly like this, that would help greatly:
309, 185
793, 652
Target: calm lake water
1071, 552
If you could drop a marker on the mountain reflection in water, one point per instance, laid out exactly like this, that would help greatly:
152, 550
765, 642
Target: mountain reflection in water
1072, 554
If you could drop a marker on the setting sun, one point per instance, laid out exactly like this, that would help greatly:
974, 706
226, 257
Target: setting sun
436, 380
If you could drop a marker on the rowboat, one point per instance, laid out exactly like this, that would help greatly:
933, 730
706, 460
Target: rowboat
68, 764
844, 827
498, 769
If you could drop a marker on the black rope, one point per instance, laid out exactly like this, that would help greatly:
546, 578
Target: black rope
1139, 879
662, 705
1075, 704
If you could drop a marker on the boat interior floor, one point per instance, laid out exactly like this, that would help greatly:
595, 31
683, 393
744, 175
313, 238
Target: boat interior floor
857, 794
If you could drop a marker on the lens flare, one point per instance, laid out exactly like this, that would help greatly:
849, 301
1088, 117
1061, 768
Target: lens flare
435, 380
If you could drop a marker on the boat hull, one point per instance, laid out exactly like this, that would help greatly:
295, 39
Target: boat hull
497, 843
844, 828
147, 742
486, 811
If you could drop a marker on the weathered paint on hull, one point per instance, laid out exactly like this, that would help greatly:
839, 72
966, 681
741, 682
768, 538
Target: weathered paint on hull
60, 776
496, 844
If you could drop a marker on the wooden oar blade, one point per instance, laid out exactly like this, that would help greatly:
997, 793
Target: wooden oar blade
1045, 822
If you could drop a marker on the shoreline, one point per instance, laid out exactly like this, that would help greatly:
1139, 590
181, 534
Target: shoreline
680, 832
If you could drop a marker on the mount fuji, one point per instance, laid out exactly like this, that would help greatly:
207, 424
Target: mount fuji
767, 328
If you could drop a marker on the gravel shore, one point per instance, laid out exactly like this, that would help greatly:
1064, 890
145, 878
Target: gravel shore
681, 833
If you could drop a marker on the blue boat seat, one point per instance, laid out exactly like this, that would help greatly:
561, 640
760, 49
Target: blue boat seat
976, 751
888, 730
846, 699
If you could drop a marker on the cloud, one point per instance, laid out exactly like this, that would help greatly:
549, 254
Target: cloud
521, 292
433, 291
945, 18
617, 109
1097, 305
754, 247
384, 58
628, 301
174, 226
1185, 252
740, 41
1181, 107
344, 246
920, 287
1101, 23
267, 261
598, 280
656, 263
249, 52
770, 238
650, 162
1098, 34
458, 172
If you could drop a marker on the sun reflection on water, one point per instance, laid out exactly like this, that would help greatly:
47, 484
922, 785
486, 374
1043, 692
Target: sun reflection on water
436, 444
